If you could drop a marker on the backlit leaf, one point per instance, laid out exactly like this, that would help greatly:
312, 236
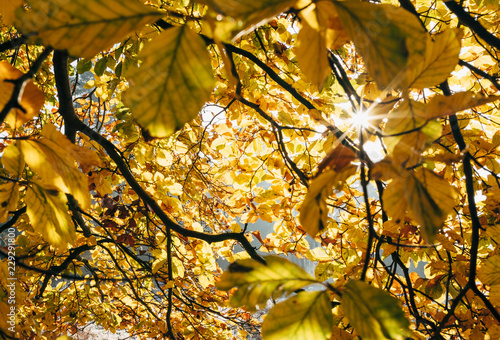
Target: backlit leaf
173, 82
13, 160
382, 34
306, 315
374, 313
48, 212
257, 282
489, 271
321, 29
248, 14
94, 24
428, 198
442, 106
51, 159
313, 213
9, 194
31, 101
438, 61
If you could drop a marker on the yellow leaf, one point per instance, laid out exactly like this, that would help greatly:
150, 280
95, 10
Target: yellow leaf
373, 312
382, 34
258, 282
7, 10
428, 198
48, 212
307, 315
9, 193
489, 271
313, 213
173, 82
394, 200
442, 106
177, 267
95, 24
92, 241
438, 61
49, 157
13, 160
32, 98
82, 155
159, 262
248, 14
321, 29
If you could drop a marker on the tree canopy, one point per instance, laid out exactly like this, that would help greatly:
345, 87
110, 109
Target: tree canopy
147, 144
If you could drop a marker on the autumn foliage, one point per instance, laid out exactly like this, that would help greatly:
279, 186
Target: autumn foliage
145, 145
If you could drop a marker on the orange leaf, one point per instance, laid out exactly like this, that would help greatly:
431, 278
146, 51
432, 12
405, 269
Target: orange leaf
32, 98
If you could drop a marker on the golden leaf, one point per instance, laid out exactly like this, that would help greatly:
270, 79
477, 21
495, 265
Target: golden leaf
53, 162
32, 98
95, 24
48, 213
173, 82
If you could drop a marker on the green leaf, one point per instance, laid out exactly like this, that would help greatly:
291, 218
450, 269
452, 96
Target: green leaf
83, 27
9, 193
84, 65
48, 213
52, 158
374, 313
307, 315
382, 34
438, 61
100, 66
173, 82
258, 282
313, 213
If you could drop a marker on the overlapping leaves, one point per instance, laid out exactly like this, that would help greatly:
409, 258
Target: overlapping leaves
173, 82
258, 282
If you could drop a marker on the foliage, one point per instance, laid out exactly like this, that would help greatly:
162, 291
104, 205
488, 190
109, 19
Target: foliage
147, 143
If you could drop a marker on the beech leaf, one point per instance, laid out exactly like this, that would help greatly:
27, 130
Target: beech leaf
246, 15
321, 29
438, 61
94, 24
257, 282
313, 213
51, 158
9, 194
382, 34
489, 271
442, 106
47, 210
306, 315
173, 82
374, 313
32, 98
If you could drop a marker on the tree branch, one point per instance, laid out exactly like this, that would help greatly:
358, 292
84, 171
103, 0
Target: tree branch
19, 85
71, 119
466, 19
